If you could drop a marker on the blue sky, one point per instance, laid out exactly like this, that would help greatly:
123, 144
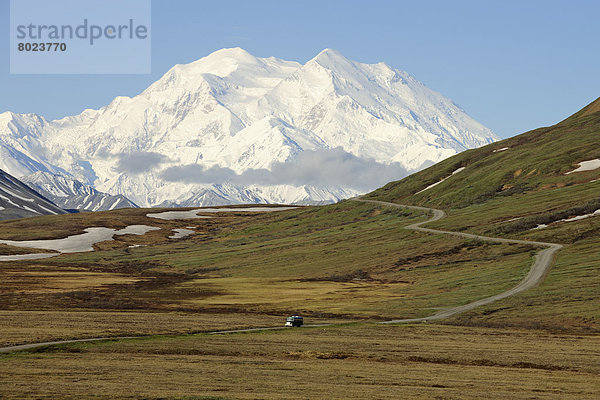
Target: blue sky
512, 65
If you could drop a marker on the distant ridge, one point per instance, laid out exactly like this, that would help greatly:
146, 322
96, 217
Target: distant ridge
17, 200
69, 193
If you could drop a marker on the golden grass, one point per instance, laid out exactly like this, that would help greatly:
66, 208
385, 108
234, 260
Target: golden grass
272, 293
46, 282
419, 361
20, 327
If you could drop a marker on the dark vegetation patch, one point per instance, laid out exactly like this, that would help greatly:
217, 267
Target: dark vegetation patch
359, 274
320, 355
466, 245
126, 267
499, 191
202, 270
156, 292
489, 363
470, 250
95, 299
531, 222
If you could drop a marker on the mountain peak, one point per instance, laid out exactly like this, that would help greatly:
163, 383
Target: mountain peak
329, 58
232, 52
6, 117
329, 52
231, 113
221, 62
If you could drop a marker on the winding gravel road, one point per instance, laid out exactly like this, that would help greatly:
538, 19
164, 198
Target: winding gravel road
537, 272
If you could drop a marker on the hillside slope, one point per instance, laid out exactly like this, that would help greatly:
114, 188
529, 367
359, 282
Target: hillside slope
534, 162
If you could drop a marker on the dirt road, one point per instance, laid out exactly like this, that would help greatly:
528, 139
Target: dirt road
541, 265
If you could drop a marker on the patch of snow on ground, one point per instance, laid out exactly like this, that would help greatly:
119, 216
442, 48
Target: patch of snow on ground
588, 165
35, 256
2, 208
80, 243
437, 183
513, 219
580, 217
171, 215
577, 218
136, 230
181, 233
245, 209
502, 149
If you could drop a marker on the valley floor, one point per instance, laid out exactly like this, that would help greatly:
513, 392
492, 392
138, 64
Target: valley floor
427, 361
350, 264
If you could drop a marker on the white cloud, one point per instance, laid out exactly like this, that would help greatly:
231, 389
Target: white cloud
324, 168
139, 162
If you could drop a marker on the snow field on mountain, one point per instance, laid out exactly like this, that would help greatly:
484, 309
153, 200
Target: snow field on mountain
221, 130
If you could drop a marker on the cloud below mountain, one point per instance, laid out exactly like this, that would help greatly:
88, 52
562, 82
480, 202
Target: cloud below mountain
139, 162
330, 168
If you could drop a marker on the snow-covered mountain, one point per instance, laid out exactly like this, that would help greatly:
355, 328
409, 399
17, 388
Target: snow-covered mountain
233, 128
17, 200
70, 194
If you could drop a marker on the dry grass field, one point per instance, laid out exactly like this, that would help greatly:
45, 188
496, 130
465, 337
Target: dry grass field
21, 327
244, 271
424, 361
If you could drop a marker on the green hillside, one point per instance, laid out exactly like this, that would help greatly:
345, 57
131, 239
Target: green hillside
534, 162
511, 187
